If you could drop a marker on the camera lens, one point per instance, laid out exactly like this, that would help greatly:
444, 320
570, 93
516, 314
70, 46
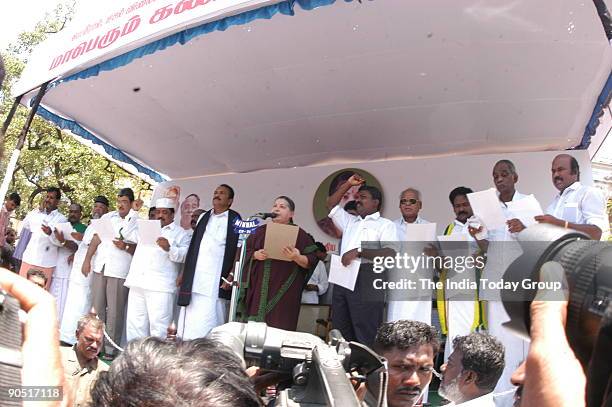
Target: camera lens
587, 266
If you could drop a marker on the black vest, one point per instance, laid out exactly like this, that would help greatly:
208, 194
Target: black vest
231, 245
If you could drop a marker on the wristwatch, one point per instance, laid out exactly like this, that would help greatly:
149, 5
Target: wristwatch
359, 251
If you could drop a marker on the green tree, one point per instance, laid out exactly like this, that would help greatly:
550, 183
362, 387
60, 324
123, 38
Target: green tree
51, 157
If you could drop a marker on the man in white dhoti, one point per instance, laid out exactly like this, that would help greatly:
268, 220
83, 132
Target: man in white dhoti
419, 301
78, 300
67, 247
210, 258
152, 277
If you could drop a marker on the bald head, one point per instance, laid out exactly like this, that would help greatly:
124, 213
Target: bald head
565, 171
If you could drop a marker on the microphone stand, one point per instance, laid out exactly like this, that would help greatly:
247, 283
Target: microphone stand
238, 270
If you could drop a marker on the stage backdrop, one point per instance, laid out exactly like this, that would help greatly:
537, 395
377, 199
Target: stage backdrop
434, 177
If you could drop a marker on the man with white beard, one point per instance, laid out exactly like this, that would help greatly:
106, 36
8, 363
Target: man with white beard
78, 300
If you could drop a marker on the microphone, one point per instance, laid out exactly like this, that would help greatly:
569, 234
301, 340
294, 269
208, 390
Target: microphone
266, 215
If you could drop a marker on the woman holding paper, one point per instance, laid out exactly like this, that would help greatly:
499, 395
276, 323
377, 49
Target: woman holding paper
276, 269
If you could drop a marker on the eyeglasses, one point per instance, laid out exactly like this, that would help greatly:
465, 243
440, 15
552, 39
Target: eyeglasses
410, 201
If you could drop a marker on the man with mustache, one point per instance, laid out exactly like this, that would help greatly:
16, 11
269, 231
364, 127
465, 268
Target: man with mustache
78, 299
410, 348
81, 364
152, 277
209, 259
472, 371
41, 253
358, 313
460, 314
579, 207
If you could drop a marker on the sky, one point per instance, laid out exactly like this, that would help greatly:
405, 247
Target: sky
17, 17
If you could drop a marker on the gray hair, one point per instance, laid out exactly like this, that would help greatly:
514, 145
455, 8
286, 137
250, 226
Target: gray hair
416, 192
89, 319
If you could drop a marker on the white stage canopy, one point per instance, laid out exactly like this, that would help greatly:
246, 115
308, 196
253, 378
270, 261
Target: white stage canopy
201, 87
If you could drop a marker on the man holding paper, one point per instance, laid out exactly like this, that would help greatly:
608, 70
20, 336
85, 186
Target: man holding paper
41, 253
62, 237
412, 304
503, 249
358, 312
460, 315
114, 244
579, 207
153, 272
78, 300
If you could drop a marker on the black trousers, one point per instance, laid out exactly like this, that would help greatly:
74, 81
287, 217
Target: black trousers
359, 313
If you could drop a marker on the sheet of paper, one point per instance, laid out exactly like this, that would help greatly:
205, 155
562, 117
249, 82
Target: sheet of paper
485, 204
421, 233
525, 209
279, 236
66, 229
104, 229
148, 231
454, 245
344, 276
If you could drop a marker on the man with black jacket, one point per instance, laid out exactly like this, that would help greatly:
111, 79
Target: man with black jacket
209, 259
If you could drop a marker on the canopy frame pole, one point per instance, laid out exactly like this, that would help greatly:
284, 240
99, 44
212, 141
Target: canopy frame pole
12, 164
9, 118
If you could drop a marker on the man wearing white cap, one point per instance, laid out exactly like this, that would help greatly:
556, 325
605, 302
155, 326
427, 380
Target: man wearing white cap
152, 277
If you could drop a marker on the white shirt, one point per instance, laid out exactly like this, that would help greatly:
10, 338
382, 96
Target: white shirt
482, 401
155, 269
469, 273
501, 255
62, 269
210, 257
319, 277
580, 204
355, 229
116, 262
401, 224
76, 276
40, 251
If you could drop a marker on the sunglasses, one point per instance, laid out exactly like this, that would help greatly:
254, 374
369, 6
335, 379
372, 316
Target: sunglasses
410, 201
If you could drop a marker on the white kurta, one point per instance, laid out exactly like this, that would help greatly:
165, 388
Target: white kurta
116, 262
502, 251
152, 283
78, 300
414, 310
41, 251
460, 312
205, 310
61, 275
319, 278
581, 204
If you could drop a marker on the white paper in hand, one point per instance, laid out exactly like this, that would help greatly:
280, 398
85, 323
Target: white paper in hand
104, 229
485, 204
343, 276
526, 209
66, 229
422, 232
148, 231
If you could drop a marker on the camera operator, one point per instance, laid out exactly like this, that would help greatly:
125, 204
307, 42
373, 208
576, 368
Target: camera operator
410, 348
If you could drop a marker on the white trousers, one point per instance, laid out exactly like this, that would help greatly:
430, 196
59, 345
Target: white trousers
149, 313
515, 348
459, 319
78, 303
59, 289
201, 315
417, 310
